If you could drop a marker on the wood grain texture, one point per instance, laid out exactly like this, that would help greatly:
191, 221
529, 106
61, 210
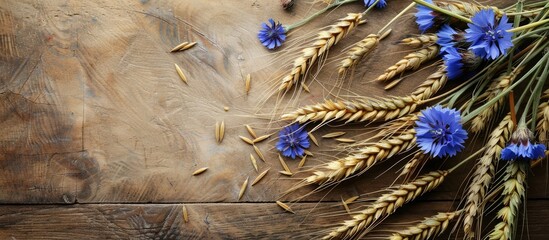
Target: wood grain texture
93, 115
210, 221
94, 111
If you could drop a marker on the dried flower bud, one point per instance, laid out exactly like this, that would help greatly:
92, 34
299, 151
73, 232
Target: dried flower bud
287, 4
470, 60
522, 135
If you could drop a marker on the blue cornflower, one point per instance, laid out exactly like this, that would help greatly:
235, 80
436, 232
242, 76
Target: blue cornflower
293, 140
380, 4
448, 38
489, 39
439, 131
425, 17
458, 61
453, 62
521, 148
272, 36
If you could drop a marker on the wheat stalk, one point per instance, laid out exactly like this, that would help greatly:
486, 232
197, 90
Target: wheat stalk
467, 9
434, 82
542, 126
513, 193
484, 173
428, 228
387, 204
362, 160
322, 43
496, 87
361, 49
420, 40
411, 61
365, 109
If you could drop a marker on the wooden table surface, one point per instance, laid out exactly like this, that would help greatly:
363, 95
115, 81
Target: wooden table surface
100, 137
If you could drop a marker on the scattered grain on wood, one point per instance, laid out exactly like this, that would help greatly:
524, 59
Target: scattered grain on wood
246, 140
333, 135
221, 131
351, 199
345, 140
243, 188
313, 138
180, 73
260, 176
345, 206
286, 173
305, 87
261, 138
226, 109
176, 48
185, 214
302, 162
283, 164
308, 153
199, 171
259, 153
248, 83
284, 206
254, 162
188, 46
251, 131
217, 128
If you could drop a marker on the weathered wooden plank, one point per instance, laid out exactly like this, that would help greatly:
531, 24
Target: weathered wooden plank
209, 221
93, 111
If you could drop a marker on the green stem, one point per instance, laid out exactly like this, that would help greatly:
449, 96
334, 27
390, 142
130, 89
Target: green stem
528, 26
305, 20
370, 7
396, 17
523, 12
442, 10
535, 96
467, 159
503, 93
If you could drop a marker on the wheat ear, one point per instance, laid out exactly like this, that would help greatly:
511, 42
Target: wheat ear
484, 173
434, 82
420, 40
362, 160
411, 61
361, 49
467, 9
412, 165
322, 43
513, 193
387, 204
365, 109
542, 126
496, 87
428, 228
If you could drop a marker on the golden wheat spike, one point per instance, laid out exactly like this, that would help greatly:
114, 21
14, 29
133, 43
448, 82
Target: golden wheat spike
434, 82
419, 40
356, 111
542, 127
362, 160
411, 61
466, 9
322, 43
387, 204
499, 85
484, 173
360, 50
428, 228
513, 192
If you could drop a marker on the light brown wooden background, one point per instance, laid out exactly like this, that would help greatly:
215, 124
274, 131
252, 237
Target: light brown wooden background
99, 136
